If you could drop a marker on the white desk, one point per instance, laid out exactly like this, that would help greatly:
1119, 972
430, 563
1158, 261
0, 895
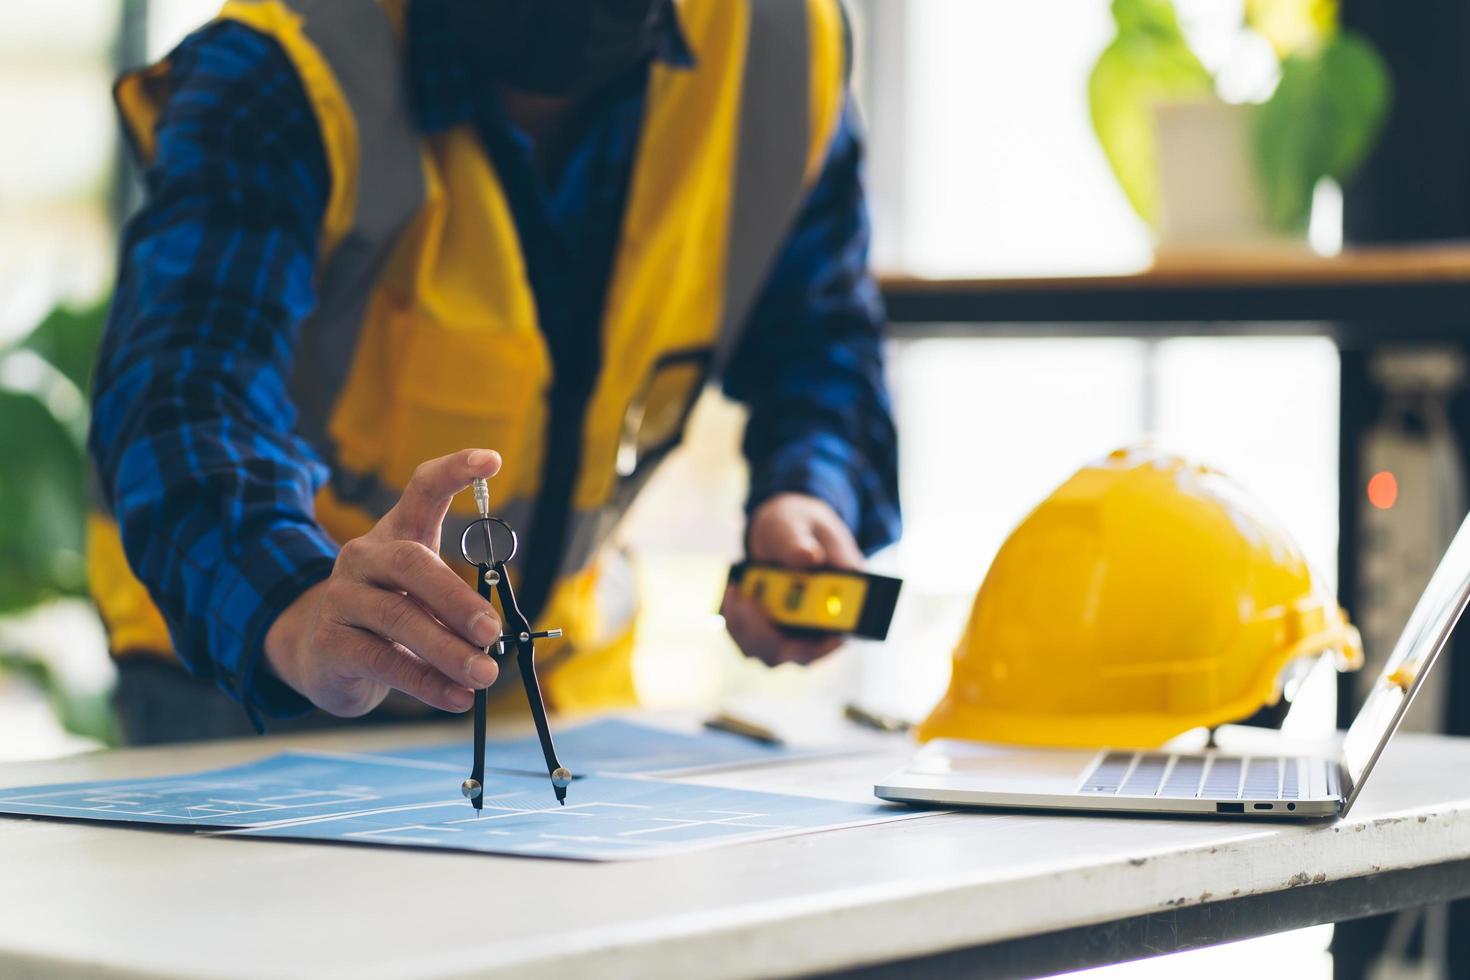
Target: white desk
966, 892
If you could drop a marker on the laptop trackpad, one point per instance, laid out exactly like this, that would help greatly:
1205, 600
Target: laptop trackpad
1003, 768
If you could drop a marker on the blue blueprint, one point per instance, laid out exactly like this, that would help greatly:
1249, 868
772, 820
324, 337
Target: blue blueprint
606, 818
412, 798
276, 788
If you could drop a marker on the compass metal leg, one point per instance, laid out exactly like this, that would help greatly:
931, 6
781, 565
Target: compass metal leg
560, 777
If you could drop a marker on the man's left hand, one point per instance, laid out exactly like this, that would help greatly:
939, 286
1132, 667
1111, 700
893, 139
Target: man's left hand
797, 531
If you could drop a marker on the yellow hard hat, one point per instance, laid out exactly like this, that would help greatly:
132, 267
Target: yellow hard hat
1147, 596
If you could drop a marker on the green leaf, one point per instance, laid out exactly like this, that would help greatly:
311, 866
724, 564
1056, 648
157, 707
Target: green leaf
42, 505
1321, 121
1146, 63
68, 340
87, 713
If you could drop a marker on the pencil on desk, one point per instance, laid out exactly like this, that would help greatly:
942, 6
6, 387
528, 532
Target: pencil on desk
726, 722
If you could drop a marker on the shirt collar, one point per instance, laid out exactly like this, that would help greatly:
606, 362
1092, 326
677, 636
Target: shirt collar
439, 69
671, 46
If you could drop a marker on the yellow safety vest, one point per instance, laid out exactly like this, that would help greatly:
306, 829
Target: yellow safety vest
422, 284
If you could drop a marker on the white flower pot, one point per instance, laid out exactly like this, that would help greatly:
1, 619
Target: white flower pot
1209, 197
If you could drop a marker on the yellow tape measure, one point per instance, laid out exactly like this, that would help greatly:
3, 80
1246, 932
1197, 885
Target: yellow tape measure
820, 600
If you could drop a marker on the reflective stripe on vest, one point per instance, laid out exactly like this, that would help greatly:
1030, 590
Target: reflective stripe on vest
358, 41
770, 176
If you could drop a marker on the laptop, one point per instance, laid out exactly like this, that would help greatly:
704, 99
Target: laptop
953, 773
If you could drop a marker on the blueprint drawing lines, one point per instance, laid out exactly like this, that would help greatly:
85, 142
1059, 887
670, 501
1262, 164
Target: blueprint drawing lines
608, 818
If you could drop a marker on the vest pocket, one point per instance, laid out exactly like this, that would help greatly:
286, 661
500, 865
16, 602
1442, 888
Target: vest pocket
467, 387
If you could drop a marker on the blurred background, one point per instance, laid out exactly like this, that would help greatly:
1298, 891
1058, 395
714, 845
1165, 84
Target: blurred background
1052, 138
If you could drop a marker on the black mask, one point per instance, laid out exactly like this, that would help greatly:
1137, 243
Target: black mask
559, 47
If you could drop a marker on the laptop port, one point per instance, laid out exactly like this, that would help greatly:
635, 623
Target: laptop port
1264, 806
1229, 807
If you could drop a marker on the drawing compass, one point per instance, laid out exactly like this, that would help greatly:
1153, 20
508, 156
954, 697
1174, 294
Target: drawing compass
516, 638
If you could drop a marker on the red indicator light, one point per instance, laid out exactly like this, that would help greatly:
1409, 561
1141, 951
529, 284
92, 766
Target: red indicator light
1383, 490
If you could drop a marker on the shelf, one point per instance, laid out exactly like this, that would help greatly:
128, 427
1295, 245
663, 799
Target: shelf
1425, 289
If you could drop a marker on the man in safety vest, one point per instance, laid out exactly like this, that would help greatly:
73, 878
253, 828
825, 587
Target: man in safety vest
382, 234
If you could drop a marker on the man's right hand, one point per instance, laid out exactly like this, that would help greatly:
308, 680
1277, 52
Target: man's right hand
392, 614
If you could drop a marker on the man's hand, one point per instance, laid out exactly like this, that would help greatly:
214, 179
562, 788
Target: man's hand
797, 531
392, 614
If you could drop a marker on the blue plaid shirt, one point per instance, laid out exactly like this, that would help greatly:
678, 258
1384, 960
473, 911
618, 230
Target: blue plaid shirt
192, 430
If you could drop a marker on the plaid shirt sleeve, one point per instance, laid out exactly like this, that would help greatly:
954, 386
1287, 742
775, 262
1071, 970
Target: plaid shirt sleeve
810, 365
192, 422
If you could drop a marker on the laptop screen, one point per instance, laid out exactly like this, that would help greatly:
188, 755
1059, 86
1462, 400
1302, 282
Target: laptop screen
1429, 626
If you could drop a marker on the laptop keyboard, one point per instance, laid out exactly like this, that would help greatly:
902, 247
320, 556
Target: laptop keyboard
1220, 777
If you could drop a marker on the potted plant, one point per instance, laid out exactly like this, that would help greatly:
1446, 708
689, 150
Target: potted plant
1201, 170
